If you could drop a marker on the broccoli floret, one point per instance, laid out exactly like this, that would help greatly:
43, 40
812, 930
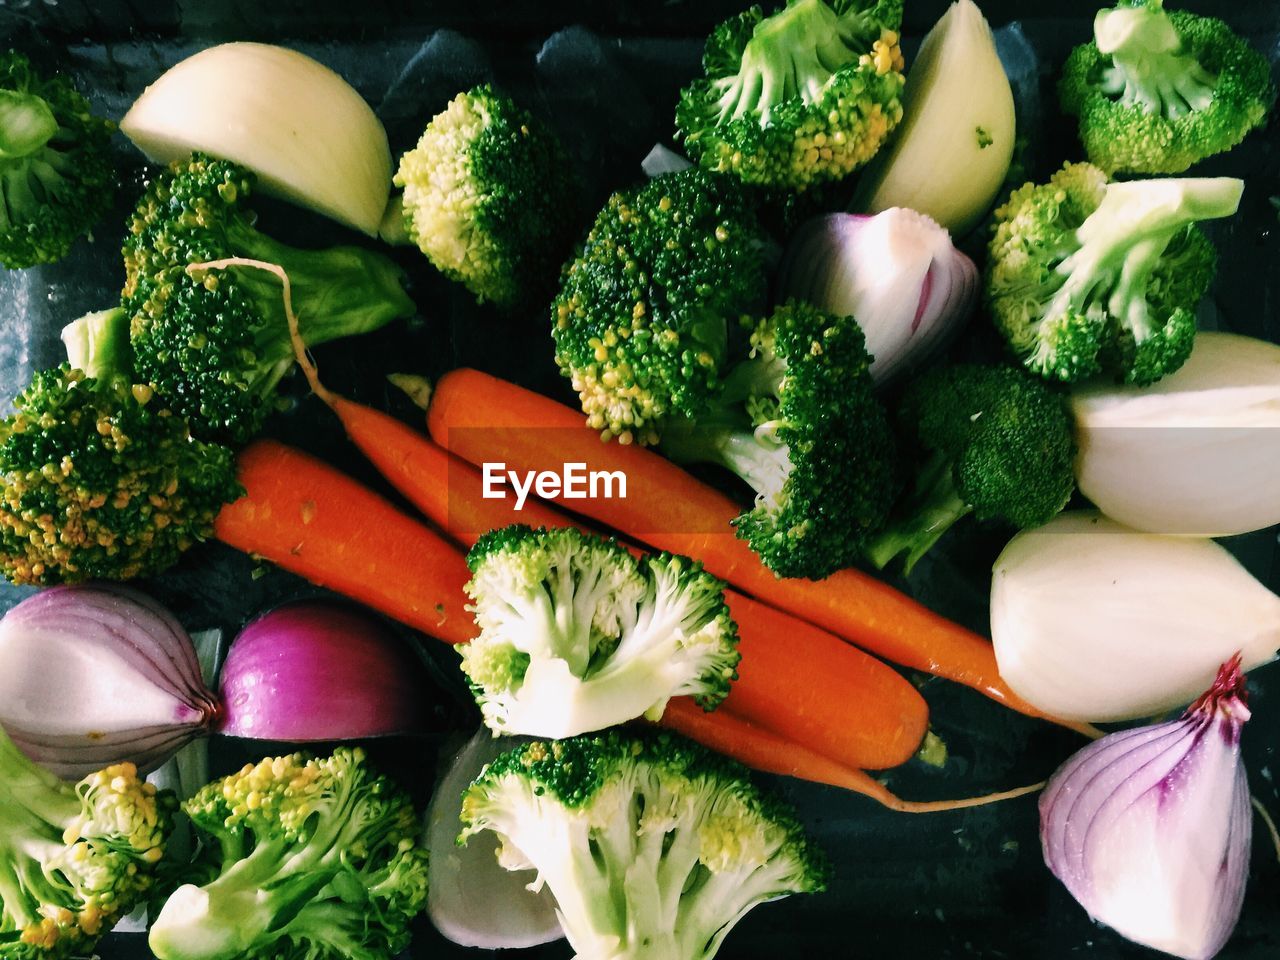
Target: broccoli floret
988, 440
319, 859
99, 481
214, 345
74, 857
652, 846
489, 198
1086, 276
1156, 92
804, 96
641, 322
56, 175
798, 420
576, 634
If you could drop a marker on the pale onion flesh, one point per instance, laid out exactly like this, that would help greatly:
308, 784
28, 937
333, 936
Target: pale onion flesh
896, 273
1093, 621
472, 899
1195, 453
92, 675
1150, 828
951, 153
307, 134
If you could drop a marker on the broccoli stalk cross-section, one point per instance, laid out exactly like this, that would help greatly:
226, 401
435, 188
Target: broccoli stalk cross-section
801, 97
1086, 276
315, 859
56, 176
798, 421
74, 858
1157, 91
214, 345
653, 847
576, 634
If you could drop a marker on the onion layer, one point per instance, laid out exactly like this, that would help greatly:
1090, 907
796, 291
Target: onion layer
320, 670
1150, 829
95, 674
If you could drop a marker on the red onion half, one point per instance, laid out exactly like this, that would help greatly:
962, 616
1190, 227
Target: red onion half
320, 670
1149, 829
96, 674
897, 273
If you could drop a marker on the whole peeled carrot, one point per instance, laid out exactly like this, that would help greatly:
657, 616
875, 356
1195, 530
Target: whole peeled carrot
315, 521
484, 419
794, 678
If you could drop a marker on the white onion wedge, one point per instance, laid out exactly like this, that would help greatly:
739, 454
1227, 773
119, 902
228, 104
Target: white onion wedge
472, 900
1094, 621
951, 153
310, 137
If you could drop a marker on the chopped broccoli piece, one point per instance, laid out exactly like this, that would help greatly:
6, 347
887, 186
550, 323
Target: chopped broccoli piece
1086, 276
652, 846
98, 481
1156, 92
577, 635
641, 321
74, 857
991, 441
318, 859
489, 198
798, 420
804, 96
214, 346
56, 175
98, 343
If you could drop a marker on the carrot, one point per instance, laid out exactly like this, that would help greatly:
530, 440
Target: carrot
794, 678
312, 520
767, 752
484, 419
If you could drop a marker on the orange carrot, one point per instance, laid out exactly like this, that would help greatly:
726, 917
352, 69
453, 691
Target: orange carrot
482, 418
312, 520
794, 678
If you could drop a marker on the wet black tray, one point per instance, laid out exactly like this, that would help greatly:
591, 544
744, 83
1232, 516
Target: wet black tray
949, 885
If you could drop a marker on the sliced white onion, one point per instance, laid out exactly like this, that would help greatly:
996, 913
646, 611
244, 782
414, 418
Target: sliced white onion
471, 899
92, 675
1093, 621
1195, 453
309, 136
896, 273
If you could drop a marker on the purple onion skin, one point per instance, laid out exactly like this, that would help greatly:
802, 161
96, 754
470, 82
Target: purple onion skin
318, 670
1107, 794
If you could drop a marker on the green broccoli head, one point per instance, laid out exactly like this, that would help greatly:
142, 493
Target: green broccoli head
798, 420
1156, 92
56, 175
989, 440
1086, 276
76, 857
652, 846
215, 345
489, 198
320, 859
641, 321
576, 634
98, 481
801, 97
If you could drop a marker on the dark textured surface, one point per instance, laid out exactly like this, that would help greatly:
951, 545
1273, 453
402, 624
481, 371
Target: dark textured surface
949, 885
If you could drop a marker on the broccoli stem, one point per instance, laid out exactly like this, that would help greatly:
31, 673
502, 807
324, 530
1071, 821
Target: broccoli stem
935, 505
98, 344
26, 124
794, 52
337, 293
1149, 70
1122, 241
